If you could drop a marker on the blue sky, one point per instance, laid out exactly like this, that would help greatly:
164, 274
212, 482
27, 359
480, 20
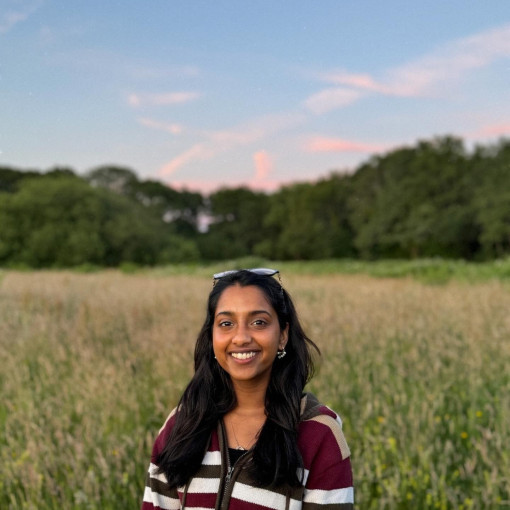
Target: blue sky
210, 93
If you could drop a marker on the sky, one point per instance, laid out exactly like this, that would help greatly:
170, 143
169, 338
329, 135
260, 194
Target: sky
203, 94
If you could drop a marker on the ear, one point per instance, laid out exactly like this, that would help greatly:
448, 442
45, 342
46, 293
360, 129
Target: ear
284, 337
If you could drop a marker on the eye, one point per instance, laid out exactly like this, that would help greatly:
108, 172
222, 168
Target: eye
259, 322
224, 324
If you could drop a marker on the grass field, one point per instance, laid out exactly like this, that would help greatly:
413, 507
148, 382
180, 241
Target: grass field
92, 363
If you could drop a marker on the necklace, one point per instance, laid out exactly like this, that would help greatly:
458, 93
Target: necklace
239, 447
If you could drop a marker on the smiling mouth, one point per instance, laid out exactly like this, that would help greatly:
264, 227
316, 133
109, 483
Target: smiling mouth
243, 355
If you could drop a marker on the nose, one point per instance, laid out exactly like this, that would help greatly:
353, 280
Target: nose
242, 335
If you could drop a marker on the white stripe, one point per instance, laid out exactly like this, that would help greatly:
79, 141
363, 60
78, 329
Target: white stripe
331, 497
205, 485
160, 501
295, 504
212, 459
153, 472
262, 497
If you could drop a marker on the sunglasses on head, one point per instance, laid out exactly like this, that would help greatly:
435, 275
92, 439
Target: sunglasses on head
261, 271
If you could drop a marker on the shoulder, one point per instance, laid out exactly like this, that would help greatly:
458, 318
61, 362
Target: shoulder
163, 434
170, 421
320, 427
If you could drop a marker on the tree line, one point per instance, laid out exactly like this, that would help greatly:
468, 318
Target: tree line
435, 198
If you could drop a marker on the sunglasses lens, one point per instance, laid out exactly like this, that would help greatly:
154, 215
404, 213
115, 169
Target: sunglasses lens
223, 273
264, 271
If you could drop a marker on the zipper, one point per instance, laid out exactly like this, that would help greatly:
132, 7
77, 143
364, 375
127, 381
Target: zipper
230, 471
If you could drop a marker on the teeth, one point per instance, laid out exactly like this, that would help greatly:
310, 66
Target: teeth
243, 355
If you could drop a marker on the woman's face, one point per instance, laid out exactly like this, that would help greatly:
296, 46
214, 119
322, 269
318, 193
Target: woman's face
246, 334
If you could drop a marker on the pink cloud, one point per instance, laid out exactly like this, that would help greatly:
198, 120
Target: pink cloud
323, 144
170, 98
331, 99
491, 131
359, 81
431, 74
449, 63
218, 142
197, 152
174, 129
263, 166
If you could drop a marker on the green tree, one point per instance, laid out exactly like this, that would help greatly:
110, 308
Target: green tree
492, 198
237, 223
309, 221
62, 221
10, 178
415, 202
179, 209
114, 178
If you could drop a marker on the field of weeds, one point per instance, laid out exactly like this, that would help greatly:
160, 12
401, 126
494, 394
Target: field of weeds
92, 363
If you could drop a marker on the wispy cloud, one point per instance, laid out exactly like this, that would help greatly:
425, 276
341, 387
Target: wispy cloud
324, 144
174, 129
15, 12
491, 131
169, 98
197, 152
356, 81
450, 63
331, 99
221, 141
429, 75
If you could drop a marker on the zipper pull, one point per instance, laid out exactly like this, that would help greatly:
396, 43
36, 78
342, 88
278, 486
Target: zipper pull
229, 474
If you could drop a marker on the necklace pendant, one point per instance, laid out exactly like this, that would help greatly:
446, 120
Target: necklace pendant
240, 448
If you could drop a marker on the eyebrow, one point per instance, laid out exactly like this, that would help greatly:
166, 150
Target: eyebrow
254, 312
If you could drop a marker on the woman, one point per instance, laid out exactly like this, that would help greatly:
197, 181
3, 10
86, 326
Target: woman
244, 436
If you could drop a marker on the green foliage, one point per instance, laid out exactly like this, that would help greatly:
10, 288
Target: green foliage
309, 221
492, 198
62, 221
237, 223
10, 179
179, 210
415, 202
117, 179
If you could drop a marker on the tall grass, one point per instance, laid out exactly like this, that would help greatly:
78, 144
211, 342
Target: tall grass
92, 363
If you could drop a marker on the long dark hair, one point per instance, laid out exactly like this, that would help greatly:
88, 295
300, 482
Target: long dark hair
210, 395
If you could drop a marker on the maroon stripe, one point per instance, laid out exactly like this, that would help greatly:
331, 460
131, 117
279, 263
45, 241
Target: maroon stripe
336, 476
322, 457
201, 499
238, 504
214, 445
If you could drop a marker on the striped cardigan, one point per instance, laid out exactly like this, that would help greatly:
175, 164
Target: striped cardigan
327, 481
